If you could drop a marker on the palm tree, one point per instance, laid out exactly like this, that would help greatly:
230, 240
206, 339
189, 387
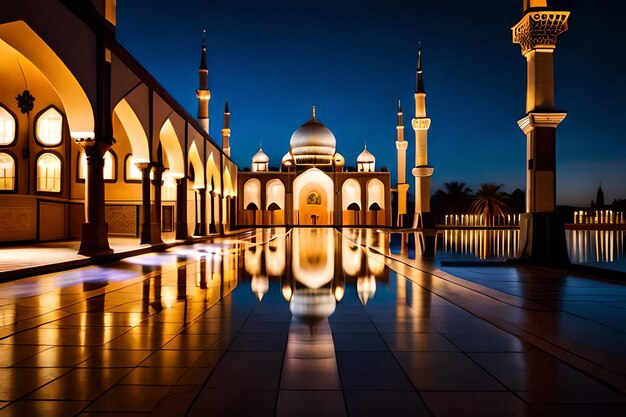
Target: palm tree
454, 197
490, 201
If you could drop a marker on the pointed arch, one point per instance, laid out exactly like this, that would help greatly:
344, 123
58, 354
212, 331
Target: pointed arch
173, 151
228, 184
198, 167
275, 194
350, 194
252, 194
375, 194
212, 172
134, 130
25, 42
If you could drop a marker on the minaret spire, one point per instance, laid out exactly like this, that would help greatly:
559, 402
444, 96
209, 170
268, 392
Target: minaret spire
422, 171
226, 130
402, 187
203, 94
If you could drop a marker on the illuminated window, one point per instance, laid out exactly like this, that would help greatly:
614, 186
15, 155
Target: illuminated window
49, 127
132, 172
108, 170
49, 173
7, 127
7, 172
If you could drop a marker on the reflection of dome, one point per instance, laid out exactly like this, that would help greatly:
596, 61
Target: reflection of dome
260, 157
312, 306
313, 143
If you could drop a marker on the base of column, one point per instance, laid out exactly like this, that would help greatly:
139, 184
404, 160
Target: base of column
181, 231
151, 233
542, 240
94, 240
427, 237
212, 228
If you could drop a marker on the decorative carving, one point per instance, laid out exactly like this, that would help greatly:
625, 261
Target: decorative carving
14, 219
314, 199
421, 123
25, 101
539, 28
122, 220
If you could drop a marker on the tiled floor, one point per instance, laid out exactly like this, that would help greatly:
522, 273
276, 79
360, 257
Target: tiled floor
184, 333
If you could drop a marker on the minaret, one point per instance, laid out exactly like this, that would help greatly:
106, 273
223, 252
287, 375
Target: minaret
226, 130
422, 170
203, 94
402, 187
542, 237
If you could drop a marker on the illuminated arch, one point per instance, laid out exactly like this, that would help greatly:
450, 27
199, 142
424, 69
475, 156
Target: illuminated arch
25, 42
134, 131
252, 193
350, 193
375, 193
213, 172
173, 151
315, 186
275, 193
228, 184
198, 168
313, 179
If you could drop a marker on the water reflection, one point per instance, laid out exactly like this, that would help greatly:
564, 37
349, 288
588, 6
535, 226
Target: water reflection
313, 266
479, 243
597, 248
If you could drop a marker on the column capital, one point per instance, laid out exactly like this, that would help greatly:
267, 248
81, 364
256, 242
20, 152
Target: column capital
423, 171
402, 145
539, 29
533, 120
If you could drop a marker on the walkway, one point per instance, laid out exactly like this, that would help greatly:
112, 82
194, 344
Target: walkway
182, 333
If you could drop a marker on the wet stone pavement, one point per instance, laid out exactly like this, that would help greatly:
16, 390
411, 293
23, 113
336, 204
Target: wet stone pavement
305, 323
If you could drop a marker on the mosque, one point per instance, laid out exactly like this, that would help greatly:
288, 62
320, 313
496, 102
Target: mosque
92, 147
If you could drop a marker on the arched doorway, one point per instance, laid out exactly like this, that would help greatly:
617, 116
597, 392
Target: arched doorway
351, 202
275, 192
313, 198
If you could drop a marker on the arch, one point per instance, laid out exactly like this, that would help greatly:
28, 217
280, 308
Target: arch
8, 126
173, 151
49, 172
275, 194
134, 131
252, 194
109, 171
228, 184
7, 172
313, 180
79, 112
198, 168
375, 194
350, 194
49, 127
212, 172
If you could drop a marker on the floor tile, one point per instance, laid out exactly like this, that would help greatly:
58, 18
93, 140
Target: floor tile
80, 384
115, 358
17, 382
234, 403
153, 376
310, 404
43, 408
247, 370
173, 358
385, 403
426, 342
139, 398
474, 404
371, 371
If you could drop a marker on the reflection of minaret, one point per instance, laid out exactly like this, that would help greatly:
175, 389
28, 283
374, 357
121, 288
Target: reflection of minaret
203, 94
402, 186
542, 238
422, 170
226, 130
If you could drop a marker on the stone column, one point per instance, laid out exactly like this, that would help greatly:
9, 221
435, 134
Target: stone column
94, 239
212, 228
181, 209
202, 229
542, 236
157, 183
146, 204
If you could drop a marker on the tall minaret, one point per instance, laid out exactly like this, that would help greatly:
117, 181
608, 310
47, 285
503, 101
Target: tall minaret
422, 170
203, 94
542, 237
226, 130
402, 185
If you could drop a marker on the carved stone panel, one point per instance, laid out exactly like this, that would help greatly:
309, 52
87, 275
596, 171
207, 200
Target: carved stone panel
122, 220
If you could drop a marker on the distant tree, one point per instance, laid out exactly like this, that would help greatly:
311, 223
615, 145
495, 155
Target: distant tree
454, 197
490, 201
517, 201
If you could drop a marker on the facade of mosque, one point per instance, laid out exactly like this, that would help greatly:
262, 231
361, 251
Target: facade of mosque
91, 145
312, 186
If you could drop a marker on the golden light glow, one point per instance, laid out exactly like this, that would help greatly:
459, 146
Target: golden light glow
49, 173
7, 127
49, 127
7, 172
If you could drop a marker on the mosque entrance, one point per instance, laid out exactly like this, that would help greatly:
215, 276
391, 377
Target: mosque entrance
313, 198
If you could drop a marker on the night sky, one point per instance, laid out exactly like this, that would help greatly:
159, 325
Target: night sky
354, 59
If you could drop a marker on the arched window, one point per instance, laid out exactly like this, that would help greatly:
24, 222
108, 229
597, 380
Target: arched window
7, 172
49, 173
49, 127
132, 173
7, 127
108, 170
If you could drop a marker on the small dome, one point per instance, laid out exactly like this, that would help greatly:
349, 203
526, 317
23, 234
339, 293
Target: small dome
313, 139
365, 156
260, 157
339, 159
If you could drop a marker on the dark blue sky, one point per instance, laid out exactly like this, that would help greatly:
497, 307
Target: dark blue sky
354, 59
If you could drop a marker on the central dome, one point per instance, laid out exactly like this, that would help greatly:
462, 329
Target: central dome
313, 143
